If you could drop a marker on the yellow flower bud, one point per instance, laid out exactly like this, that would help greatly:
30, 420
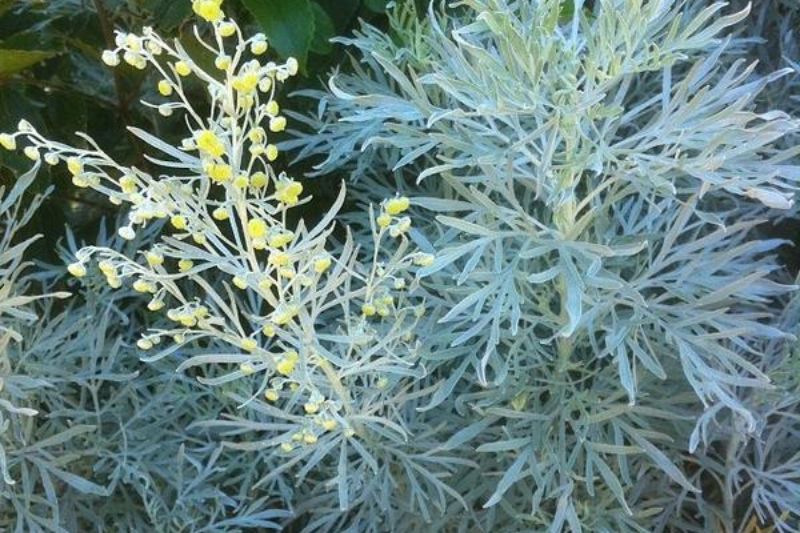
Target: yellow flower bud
77, 270
271, 152
272, 395
128, 184
268, 330
257, 228
8, 142
292, 66
220, 214
247, 369
187, 321
383, 220
154, 258
272, 108
258, 47
288, 192
286, 447
207, 142
368, 309
74, 166
279, 259
141, 285
184, 265
277, 124
222, 62
164, 88
241, 182
178, 221
240, 282
183, 68
246, 83
248, 345
424, 260
284, 314
106, 267
281, 239
110, 58
258, 180
309, 438
127, 233
226, 29
219, 173
322, 264
209, 10
32, 153
285, 366
144, 344
311, 408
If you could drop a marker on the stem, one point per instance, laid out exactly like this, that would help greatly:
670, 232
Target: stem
123, 100
727, 495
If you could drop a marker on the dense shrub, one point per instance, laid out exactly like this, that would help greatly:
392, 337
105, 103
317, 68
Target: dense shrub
544, 301
593, 183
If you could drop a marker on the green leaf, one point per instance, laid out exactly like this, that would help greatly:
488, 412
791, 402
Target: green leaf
341, 12
288, 24
324, 30
171, 14
378, 6
13, 61
5, 5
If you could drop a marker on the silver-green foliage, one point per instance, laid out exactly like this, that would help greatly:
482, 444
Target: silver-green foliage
96, 439
592, 183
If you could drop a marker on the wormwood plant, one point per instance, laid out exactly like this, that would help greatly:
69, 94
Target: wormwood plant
315, 338
110, 445
15, 314
605, 310
578, 332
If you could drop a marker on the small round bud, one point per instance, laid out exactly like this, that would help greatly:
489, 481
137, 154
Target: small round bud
127, 233
277, 124
164, 88
259, 47
271, 395
32, 153
182, 68
8, 141
144, 344
77, 270
226, 29
292, 66
222, 62
110, 58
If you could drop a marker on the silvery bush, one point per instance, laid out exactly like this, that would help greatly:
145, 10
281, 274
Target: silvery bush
545, 300
594, 183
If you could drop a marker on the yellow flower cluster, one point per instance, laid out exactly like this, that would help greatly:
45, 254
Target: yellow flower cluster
287, 363
210, 10
389, 210
288, 191
228, 211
